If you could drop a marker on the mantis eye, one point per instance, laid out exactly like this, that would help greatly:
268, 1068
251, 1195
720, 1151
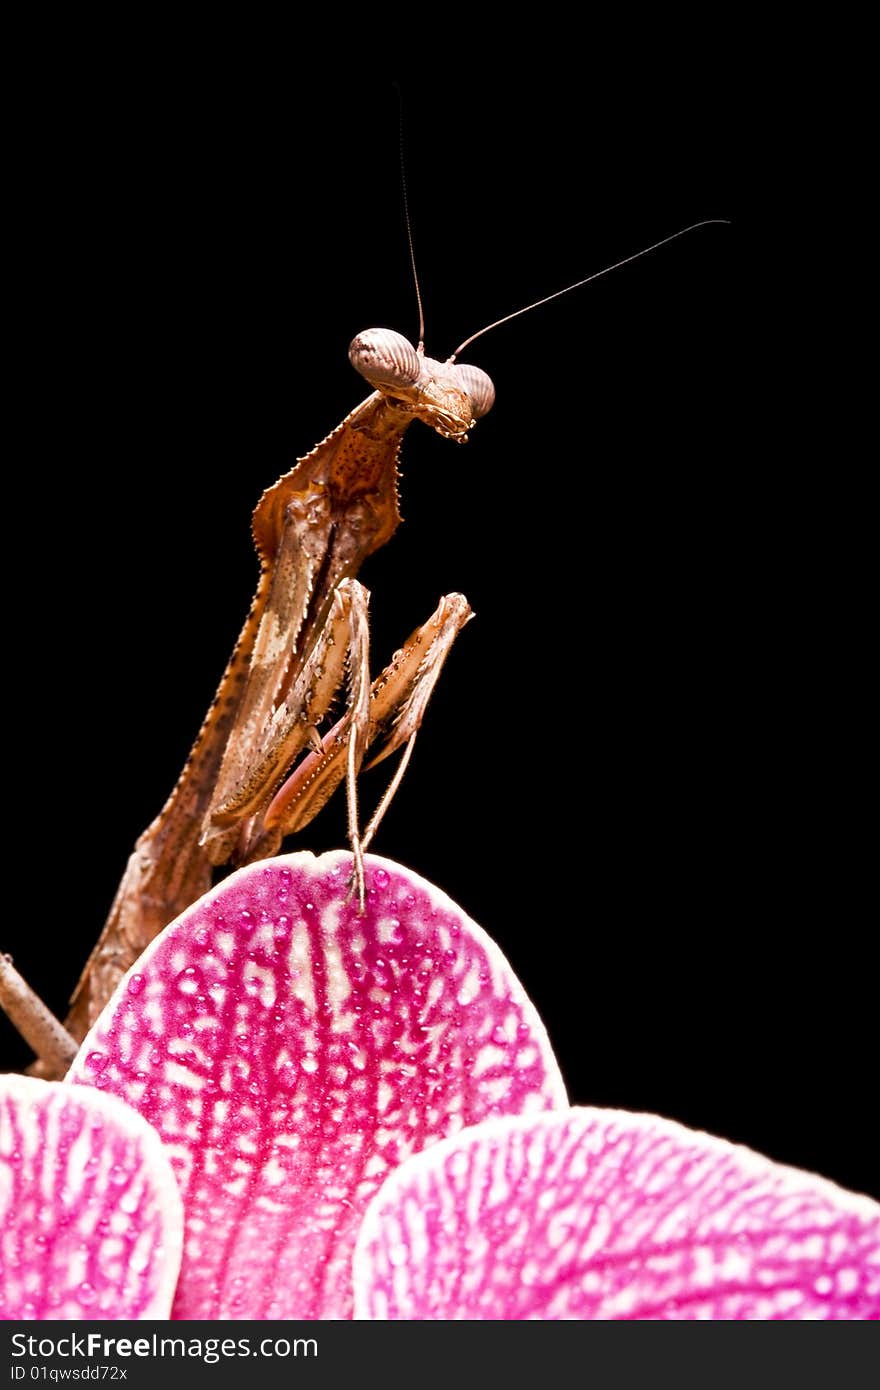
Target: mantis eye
385, 358
478, 385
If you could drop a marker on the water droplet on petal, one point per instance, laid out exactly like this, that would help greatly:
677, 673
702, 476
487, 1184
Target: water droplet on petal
189, 980
136, 984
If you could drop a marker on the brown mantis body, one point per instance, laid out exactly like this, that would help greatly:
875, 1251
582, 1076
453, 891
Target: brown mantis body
246, 783
313, 530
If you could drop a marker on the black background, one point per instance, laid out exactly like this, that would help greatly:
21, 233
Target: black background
627, 772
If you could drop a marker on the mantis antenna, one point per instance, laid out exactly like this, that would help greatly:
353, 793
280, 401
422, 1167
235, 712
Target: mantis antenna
707, 222
597, 274
409, 232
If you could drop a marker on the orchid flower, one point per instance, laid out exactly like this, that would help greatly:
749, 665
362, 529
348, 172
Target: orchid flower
363, 1117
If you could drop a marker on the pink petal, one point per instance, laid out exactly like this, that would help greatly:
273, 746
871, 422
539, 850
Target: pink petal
91, 1222
291, 1052
604, 1214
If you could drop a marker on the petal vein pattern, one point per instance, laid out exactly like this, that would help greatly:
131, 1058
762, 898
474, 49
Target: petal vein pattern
605, 1214
91, 1221
291, 1052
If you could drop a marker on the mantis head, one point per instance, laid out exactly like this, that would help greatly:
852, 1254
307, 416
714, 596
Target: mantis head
448, 396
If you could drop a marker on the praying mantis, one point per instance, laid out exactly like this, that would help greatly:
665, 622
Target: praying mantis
243, 787
236, 797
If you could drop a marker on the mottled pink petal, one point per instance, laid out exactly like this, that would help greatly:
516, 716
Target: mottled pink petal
91, 1222
291, 1052
604, 1214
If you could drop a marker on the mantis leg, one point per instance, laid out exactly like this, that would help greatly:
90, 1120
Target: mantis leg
343, 641
39, 1027
397, 702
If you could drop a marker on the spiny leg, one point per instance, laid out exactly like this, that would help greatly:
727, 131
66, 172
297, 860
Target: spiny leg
247, 816
450, 617
397, 702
